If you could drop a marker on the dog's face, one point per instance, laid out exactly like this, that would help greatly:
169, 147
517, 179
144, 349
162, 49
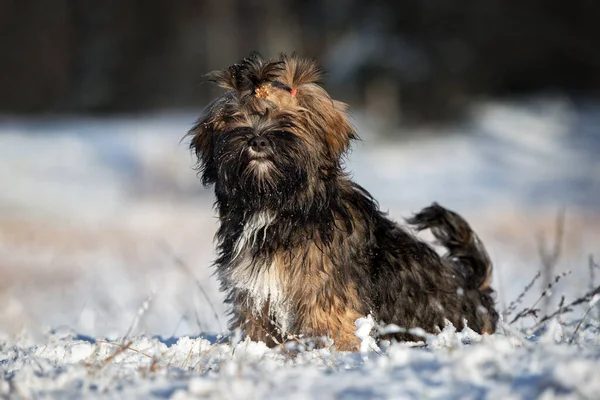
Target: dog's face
273, 132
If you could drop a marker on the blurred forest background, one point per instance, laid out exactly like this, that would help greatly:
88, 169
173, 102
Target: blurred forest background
410, 60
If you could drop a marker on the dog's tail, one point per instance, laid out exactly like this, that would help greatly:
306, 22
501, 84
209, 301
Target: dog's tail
464, 247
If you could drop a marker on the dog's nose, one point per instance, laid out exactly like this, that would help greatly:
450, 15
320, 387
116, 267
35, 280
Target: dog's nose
259, 144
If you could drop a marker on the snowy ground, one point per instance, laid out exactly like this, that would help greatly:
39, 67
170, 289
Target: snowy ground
106, 243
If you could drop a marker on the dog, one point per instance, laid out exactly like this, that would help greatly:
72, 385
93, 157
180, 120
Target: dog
303, 251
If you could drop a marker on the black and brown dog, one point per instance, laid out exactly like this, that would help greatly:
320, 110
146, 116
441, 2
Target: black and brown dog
303, 251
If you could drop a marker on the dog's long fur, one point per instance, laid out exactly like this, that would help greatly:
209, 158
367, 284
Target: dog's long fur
303, 250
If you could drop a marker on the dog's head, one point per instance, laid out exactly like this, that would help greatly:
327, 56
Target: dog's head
274, 130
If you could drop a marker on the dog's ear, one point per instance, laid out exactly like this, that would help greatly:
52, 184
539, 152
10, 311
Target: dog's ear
203, 137
337, 128
329, 117
321, 112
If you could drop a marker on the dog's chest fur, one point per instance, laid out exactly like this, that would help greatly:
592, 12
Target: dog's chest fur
262, 279
297, 286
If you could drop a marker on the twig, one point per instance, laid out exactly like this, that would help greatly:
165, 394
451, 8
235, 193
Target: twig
534, 311
562, 301
513, 305
569, 307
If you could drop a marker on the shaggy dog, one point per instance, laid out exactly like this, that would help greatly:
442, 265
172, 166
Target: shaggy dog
303, 251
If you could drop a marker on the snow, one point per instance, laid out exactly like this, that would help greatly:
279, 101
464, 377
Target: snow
498, 366
364, 327
106, 289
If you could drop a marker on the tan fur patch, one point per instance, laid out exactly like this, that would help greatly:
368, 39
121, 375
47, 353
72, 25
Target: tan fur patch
295, 293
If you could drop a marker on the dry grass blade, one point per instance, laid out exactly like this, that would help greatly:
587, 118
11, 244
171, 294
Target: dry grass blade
188, 357
179, 262
580, 323
122, 348
592, 268
328, 363
298, 340
141, 312
549, 257
593, 263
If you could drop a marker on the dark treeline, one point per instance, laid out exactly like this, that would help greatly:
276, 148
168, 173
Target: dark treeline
415, 58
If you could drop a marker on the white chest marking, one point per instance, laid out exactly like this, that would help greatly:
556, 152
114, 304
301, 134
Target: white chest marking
256, 225
259, 278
